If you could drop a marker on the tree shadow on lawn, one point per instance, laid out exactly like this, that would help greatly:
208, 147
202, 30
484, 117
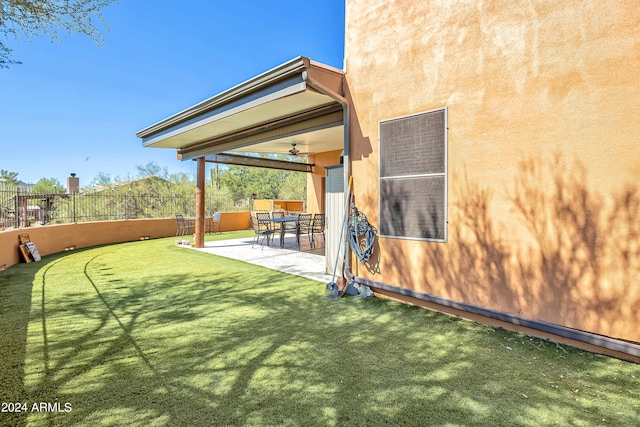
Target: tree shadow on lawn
237, 345
15, 304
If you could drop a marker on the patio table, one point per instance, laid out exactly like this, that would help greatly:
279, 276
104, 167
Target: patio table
282, 222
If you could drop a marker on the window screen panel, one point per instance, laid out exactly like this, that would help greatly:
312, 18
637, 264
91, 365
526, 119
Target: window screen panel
413, 145
413, 207
413, 176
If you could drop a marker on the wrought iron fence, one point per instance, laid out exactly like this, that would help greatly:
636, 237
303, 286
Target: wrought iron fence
21, 208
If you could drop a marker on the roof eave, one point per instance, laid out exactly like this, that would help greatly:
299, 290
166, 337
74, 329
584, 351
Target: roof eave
282, 71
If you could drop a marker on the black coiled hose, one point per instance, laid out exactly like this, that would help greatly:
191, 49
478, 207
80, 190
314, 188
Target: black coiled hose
359, 226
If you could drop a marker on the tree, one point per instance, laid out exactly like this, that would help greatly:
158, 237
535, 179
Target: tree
11, 178
39, 18
102, 178
244, 181
152, 169
294, 186
47, 186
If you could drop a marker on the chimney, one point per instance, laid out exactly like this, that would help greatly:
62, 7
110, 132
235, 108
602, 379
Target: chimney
73, 184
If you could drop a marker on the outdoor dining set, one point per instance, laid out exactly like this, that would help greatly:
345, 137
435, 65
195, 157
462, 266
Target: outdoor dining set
266, 224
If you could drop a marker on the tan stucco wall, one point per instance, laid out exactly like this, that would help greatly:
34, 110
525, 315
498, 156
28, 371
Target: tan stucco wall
315, 181
543, 151
55, 238
231, 221
274, 204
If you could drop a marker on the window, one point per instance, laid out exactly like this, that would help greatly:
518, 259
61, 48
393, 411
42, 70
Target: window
413, 176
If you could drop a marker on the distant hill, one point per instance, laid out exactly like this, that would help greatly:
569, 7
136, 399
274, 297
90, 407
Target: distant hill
133, 184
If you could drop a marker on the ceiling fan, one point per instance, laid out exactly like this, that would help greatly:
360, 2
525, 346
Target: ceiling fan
295, 152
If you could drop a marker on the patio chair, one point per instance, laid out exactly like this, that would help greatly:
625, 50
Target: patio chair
264, 219
260, 230
184, 227
304, 227
317, 227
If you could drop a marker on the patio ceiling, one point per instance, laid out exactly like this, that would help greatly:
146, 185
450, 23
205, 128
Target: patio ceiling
265, 114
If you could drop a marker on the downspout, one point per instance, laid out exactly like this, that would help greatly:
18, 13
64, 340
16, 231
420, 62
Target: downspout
346, 144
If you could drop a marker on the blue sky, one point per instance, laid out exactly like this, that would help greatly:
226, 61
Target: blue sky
76, 106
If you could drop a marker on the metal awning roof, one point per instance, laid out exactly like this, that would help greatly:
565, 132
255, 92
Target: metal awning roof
293, 103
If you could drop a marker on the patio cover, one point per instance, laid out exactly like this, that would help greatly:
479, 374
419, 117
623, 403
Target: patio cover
298, 102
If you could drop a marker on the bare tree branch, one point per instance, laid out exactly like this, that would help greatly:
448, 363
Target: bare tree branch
37, 18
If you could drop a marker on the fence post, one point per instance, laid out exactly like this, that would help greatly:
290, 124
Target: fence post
22, 213
17, 208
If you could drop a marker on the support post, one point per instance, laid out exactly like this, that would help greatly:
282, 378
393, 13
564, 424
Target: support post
199, 239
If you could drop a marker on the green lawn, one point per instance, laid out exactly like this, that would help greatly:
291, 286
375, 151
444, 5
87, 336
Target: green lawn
147, 333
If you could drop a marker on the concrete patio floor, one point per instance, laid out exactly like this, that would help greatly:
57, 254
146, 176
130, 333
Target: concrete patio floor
306, 262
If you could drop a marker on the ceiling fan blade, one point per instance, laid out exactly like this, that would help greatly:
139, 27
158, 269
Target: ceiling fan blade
297, 153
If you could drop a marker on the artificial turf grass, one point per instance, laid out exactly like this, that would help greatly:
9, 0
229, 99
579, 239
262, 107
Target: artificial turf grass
147, 333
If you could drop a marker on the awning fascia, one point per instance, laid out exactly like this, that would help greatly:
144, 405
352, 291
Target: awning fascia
270, 111
289, 69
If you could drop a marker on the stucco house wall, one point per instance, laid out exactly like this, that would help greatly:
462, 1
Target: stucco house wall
316, 180
543, 157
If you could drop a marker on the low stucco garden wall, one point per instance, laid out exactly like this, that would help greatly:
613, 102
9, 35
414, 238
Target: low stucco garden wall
50, 239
